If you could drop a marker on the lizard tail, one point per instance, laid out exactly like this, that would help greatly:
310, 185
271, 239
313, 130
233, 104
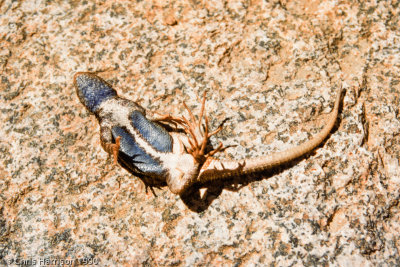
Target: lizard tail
222, 169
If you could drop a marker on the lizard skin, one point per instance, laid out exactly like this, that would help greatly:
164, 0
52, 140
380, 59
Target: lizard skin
157, 154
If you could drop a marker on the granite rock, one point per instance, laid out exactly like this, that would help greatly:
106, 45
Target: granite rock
271, 67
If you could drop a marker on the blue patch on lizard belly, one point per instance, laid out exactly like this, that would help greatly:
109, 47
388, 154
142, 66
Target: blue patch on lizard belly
134, 156
153, 133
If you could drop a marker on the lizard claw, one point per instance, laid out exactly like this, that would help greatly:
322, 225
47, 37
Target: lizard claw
198, 137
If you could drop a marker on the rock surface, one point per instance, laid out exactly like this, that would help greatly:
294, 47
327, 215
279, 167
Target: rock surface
272, 68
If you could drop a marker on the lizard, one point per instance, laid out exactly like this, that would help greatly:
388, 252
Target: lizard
160, 155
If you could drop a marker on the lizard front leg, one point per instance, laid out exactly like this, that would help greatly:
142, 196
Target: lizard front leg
106, 141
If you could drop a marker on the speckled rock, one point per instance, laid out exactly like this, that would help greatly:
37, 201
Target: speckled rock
271, 67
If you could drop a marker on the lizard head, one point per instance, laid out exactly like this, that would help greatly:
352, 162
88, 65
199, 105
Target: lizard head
92, 90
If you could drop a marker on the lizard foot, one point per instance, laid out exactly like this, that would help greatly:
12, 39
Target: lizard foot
113, 148
193, 127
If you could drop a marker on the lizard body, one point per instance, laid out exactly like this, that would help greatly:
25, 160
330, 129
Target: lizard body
159, 155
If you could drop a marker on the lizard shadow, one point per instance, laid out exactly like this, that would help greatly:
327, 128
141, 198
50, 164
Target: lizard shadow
198, 202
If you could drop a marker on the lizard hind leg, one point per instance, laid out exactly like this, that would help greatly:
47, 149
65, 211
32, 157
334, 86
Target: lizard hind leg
169, 119
199, 135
